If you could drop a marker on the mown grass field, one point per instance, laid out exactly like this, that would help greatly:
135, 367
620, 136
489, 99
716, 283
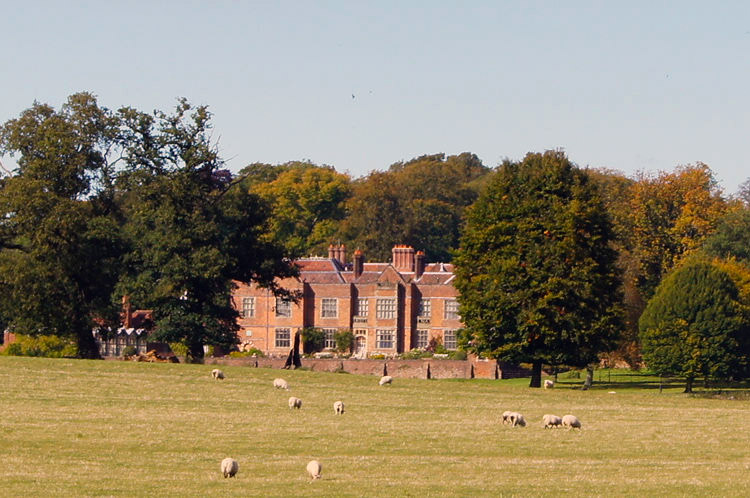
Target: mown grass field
94, 428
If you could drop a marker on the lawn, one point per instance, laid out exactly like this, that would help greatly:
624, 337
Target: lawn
108, 428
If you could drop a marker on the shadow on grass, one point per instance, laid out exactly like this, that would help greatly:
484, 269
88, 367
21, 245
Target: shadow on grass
643, 380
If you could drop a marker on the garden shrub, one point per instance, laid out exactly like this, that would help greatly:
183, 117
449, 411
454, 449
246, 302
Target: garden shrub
49, 346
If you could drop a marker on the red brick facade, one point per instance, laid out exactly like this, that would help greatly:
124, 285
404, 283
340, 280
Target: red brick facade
391, 307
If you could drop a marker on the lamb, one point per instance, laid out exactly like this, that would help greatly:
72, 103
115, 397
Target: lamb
551, 421
517, 419
229, 467
338, 407
314, 468
386, 379
571, 422
295, 403
549, 384
280, 384
217, 374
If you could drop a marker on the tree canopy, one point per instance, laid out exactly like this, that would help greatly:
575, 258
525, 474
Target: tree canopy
419, 203
535, 269
695, 326
192, 231
60, 242
306, 203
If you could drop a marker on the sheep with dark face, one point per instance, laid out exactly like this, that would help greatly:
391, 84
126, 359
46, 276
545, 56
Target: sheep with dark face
386, 380
229, 467
338, 408
549, 384
217, 374
295, 403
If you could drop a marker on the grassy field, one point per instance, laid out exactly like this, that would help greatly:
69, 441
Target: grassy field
94, 428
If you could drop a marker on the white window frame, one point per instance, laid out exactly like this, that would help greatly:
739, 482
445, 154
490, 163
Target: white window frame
451, 344
330, 338
385, 339
363, 306
423, 338
283, 307
329, 307
450, 312
385, 308
248, 307
280, 341
424, 308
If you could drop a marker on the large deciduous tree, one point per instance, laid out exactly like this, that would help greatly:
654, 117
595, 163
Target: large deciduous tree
695, 326
59, 225
192, 229
307, 203
419, 202
670, 216
535, 270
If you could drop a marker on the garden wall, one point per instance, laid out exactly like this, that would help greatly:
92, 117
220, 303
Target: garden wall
427, 368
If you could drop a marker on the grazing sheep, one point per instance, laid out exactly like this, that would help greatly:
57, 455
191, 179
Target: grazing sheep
280, 384
338, 408
295, 403
571, 422
517, 419
549, 384
229, 467
217, 374
314, 468
386, 379
551, 421
506, 416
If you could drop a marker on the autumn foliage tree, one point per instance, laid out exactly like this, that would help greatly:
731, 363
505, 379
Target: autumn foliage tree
420, 202
535, 270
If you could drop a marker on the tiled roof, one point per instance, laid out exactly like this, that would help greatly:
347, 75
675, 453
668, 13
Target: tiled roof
329, 271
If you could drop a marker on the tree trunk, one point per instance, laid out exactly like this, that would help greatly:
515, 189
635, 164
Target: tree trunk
589, 378
195, 352
689, 385
536, 374
86, 344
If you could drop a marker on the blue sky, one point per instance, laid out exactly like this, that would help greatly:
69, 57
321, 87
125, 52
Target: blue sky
632, 86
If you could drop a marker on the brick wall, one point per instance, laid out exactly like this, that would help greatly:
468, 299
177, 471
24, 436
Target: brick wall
410, 369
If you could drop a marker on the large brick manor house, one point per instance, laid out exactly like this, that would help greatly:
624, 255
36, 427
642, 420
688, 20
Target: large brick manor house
390, 307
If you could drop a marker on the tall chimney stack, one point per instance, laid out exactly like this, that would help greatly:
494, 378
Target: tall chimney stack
359, 263
419, 264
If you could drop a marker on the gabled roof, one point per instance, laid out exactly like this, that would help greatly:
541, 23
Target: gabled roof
330, 271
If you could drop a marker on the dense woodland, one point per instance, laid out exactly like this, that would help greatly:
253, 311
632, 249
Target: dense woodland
109, 203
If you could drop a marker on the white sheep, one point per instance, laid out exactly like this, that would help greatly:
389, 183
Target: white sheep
280, 384
551, 421
506, 416
295, 403
229, 467
217, 374
517, 419
314, 468
549, 384
338, 407
386, 379
571, 422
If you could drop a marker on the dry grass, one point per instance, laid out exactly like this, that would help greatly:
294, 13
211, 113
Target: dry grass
87, 428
